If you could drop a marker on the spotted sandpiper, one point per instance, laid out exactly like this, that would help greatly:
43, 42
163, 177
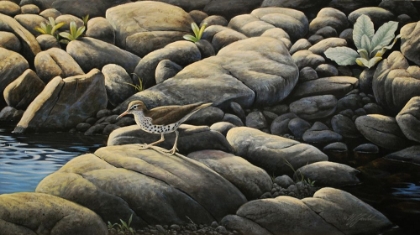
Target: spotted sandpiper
162, 120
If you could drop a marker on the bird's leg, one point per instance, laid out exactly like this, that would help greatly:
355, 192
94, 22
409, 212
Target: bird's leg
174, 148
162, 138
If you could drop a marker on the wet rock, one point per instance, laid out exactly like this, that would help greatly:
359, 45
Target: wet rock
271, 152
283, 181
346, 212
337, 152
329, 174
22, 91
47, 41
215, 20
222, 127
378, 15
314, 107
100, 54
190, 138
65, 102
410, 154
166, 69
10, 42
408, 119
83, 127
243, 226
320, 134
10, 114
329, 16
221, 36
249, 179
51, 214
56, 62
101, 29
298, 126
280, 125
256, 120
117, 83
409, 43
382, 131
307, 74
326, 70
81, 8
301, 44
206, 116
305, 58
323, 45
365, 153
9, 8
344, 126
170, 187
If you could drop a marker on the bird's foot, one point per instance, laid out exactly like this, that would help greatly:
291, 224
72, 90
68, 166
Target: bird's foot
171, 151
145, 146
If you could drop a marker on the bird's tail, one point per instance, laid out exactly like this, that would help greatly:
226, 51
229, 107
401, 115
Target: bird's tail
185, 118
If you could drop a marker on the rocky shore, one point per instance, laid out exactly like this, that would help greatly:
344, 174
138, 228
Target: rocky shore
288, 130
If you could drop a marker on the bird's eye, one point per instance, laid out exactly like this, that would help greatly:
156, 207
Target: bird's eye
133, 107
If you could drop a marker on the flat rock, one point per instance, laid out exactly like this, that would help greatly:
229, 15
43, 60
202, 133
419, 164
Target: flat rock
270, 152
410, 154
314, 107
329, 174
382, 131
408, 119
252, 181
35, 213
65, 102
118, 181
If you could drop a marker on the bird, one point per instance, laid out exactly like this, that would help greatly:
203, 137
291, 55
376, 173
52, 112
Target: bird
162, 120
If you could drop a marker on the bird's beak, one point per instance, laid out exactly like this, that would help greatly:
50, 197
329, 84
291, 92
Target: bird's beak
122, 115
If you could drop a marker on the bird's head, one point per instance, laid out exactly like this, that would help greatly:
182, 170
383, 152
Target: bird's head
134, 106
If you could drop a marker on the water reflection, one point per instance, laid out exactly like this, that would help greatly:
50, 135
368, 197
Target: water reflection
26, 159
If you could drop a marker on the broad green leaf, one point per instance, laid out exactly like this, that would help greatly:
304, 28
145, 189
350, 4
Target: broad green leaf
374, 61
363, 53
365, 43
363, 26
65, 35
79, 32
362, 62
73, 28
190, 38
385, 34
384, 49
342, 55
195, 28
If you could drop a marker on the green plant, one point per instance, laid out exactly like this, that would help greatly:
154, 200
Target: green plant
74, 34
50, 27
138, 87
122, 228
85, 19
301, 177
198, 32
370, 45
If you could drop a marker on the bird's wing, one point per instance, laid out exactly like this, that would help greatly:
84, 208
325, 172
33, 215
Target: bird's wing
171, 114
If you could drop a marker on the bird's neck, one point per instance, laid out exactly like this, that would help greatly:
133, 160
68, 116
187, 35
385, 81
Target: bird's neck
139, 116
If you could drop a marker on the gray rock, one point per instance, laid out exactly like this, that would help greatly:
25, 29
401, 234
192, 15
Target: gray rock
367, 148
280, 125
307, 74
206, 116
299, 4
206, 48
51, 214
109, 128
56, 62
169, 187
22, 91
329, 174
30, 9
408, 119
410, 154
47, 41
231, 118
10, 114
9, 8
67, 19
10, 42
323, 45
252, 181
65, 102
305, 58
283, 181
314, 107
320, 134
409, 43
83, 127
269, 116
314, 39
337, 86
81, 8
298, 126
278, 109
96, 129
101, 29
329, 16
237, 110
301, 44
346, 212
166, 69
327, 70
215, 20
116, 84
327, 32
142, 27
182, 53
50, 12
92, 53
344, 126
279, 34
348, 7
350, 101
337, 152
221, 36
256, 120
378, 15
125, 121
402, 7
272, 152
347, 34
222, 127
198, 16
382, 131
243, 226
103, 113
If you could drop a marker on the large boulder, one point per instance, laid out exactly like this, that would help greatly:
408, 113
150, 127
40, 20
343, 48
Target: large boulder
144, 26
65, 102
410, 43
275, 154
39, 213
156, 188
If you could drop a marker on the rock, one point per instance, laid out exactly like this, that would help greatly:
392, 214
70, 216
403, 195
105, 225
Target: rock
47, 41
283, 181
30, 21
31, 213
30, 9
337, 152
314, 39
279, 34
269, 116
103, 113
298, 126
139, 25
300, 4
101, 29
409, 44
67, 19
222, 127
320, 134
348, 7
96, 129
231, 118
278, 109
10, 114
256, 120
272, 152
221, 36
50, 12
410, 154
307, 74
56, 62
110, 128
198, 16
10, 42
327, 32
301, 44
215, 20
314, 107
347, 34
166, 69
365, 80
323, 45
9, 8
365, 153
382, 131
83, 127
116, 84
327, 70
237, 110
350, 101
252, 181
243, 226
30, 46
346, 212
280, 125
378, 15
305, 58
190, 138
329, 174
206, 117
408, 119
270, 214
329, 16
12, 65
80, 8
373, 108
169, 187
344, 126
22, 91
182, 53
403, 7
337, 86
64, 103
206, 48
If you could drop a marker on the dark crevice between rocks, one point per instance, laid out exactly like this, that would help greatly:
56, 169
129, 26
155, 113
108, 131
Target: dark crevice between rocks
18, 225
319, 215
56, 222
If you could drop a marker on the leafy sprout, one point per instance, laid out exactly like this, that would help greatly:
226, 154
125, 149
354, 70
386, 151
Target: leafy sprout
124, 227
138, 87
370, 45
85, 19
302, 177
50, 27
74, 34
198, 32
